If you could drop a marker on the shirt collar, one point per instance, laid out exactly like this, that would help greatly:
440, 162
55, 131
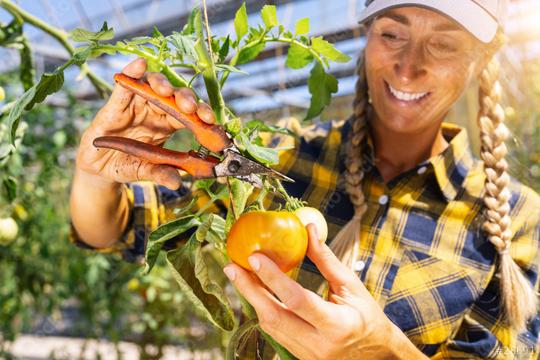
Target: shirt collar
450, 167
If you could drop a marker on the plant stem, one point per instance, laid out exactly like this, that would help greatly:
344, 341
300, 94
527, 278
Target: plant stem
174, 78
206, 63
102, 87
231, 200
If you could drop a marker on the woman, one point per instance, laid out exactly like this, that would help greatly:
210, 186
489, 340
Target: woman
439, 252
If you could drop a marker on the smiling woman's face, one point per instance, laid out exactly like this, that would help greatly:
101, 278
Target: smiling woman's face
418, 62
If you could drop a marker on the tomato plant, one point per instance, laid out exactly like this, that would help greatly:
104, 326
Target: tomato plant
212, 58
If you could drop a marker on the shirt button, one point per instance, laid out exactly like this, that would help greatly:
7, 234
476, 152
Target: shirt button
422, 170
383, 199
359, 265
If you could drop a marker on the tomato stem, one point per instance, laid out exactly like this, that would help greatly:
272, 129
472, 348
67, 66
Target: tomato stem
260, 198
292, 203
231, 199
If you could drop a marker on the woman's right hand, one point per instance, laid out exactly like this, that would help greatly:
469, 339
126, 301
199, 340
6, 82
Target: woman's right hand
128, 115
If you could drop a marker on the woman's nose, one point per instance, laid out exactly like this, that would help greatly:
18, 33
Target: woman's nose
410, 63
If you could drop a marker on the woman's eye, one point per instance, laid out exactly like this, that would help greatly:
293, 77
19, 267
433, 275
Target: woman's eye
444, 47
390, 36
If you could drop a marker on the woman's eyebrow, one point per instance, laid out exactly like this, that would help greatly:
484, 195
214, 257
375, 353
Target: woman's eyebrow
396, 17
447, 27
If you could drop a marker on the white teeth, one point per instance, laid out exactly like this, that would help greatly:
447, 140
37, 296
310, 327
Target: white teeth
403, 96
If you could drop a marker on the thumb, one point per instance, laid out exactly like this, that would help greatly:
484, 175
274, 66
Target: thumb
333, 270
121, 97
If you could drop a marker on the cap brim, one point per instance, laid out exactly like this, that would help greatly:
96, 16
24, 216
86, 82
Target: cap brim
465, 12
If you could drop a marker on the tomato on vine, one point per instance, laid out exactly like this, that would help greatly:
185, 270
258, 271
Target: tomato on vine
8, 231
280, 235
310, 215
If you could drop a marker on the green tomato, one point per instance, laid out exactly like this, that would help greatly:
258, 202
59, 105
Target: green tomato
8, 231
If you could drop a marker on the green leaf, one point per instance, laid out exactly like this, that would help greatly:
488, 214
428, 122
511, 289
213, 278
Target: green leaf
302, 27
328, 50
249, 53
229, 68
269, 16
184, 209
224, 49
10, 188
26, 69
156, 33
261, 126
11, 33
321, 87
82, 35
184, 44
204, 227
205, 184
240, 192
216, 235
298, 57
82, 53
234, 126
48, 84
163, 233
17, 110
241, 22
189, 28
262, 154
191, 273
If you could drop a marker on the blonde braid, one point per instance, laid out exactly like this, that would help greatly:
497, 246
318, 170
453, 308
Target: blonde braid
344, 245
519, 301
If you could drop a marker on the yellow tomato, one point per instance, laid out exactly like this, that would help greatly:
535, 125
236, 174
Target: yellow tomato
280, 235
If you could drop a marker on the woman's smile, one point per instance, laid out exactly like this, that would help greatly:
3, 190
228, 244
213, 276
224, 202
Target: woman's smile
405, 98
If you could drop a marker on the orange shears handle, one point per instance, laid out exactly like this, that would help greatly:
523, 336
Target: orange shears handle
190, 162
212, 137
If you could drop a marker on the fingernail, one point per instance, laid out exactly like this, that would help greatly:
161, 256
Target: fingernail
230, 273
254, 263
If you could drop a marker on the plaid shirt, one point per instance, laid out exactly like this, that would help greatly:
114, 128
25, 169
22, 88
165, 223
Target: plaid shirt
423, 255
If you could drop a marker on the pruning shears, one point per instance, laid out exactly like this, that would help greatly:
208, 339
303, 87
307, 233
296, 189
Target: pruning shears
228, 161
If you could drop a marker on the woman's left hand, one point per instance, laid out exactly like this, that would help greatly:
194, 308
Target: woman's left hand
350, 325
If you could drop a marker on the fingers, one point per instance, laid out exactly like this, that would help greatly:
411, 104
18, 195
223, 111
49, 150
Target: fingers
273, 317
159, 84
184, 97
121, 97
304, 303
186, 100
135, 69
206, 113
329, 265
164, 175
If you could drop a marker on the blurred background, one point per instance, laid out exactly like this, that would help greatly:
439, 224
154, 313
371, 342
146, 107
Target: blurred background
57, 301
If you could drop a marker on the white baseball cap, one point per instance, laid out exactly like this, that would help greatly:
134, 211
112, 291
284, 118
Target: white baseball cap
480, 17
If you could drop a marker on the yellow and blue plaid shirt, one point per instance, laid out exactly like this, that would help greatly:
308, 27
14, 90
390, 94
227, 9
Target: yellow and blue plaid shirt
423, 254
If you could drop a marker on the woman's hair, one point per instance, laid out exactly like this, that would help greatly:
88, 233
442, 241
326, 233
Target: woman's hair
519, 301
